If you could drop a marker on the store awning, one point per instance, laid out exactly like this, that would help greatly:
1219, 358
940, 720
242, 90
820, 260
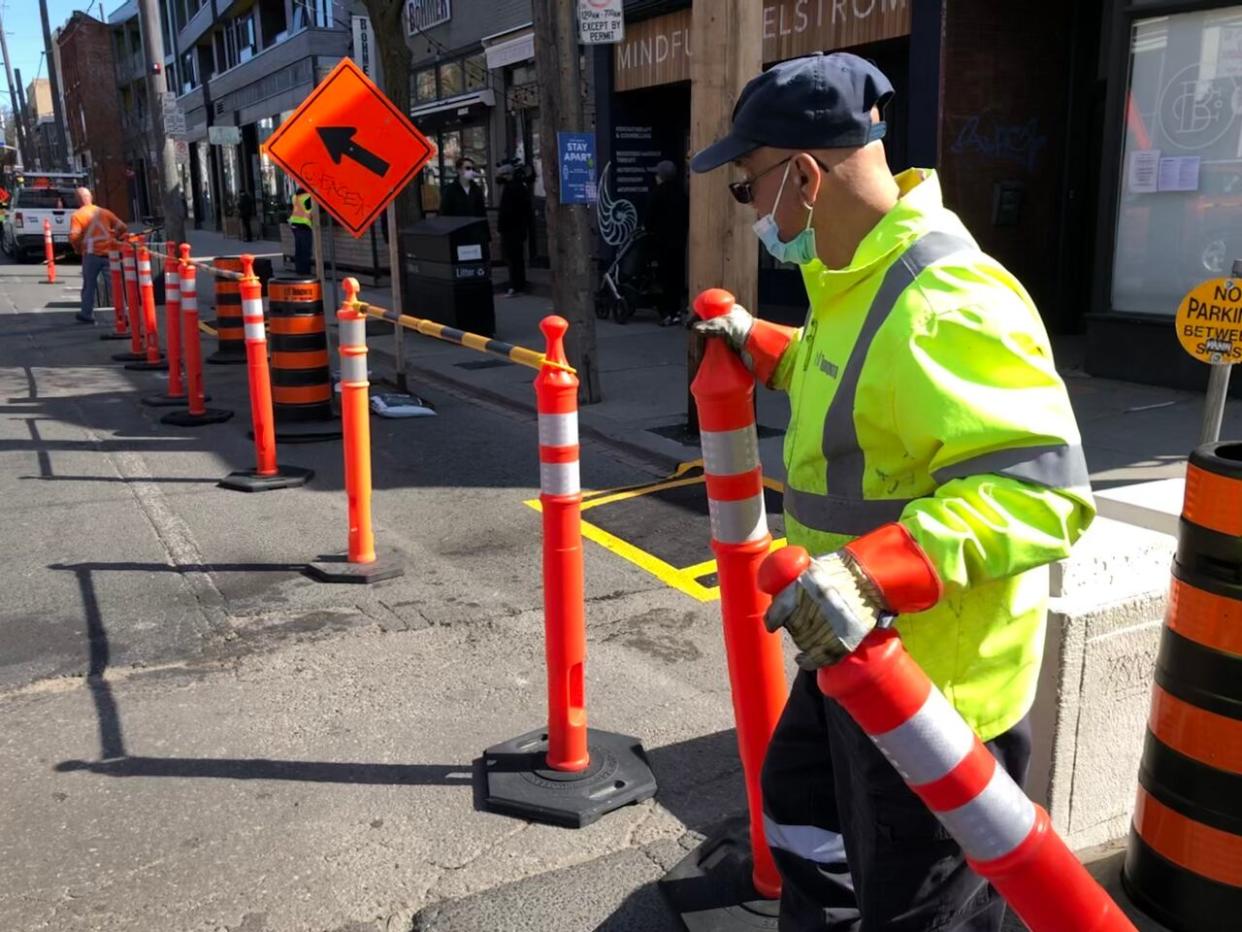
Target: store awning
486, 97
511, 51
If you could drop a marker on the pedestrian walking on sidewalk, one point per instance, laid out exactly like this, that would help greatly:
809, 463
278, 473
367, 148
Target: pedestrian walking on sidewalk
513, 222
300, 226
931, 433
245, 213
668, 221
93, 230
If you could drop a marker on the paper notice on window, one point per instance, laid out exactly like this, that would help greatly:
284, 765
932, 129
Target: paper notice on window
1143, 167
1179, 174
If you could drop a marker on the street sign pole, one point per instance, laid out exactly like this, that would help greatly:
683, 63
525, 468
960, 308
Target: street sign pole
394, 271
1214, 411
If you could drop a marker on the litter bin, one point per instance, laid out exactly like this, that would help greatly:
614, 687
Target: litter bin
446, 273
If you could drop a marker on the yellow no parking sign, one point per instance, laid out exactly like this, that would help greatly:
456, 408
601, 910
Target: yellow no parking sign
1209, 321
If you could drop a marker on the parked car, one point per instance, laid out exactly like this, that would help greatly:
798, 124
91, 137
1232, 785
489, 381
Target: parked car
22, 234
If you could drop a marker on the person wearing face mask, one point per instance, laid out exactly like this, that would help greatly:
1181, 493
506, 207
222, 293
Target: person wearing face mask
934, 470
463, 197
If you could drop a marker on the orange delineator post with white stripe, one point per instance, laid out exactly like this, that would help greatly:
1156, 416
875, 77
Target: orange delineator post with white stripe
724, 394
1007, 839
129, 276
564, 600
154, 359
361, 563
120, 329
197, 413
49, 255
565, 773
175, 396
267, 474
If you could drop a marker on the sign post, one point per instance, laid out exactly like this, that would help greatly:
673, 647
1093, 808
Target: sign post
600, 22
350, 147
1209, 327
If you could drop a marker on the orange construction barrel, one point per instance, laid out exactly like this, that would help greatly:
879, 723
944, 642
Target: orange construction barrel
301, 379
230, 329
1184, 861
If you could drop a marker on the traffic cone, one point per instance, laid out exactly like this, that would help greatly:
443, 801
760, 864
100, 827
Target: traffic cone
175, 396
197, 413
49, 255
153, 361
120, 330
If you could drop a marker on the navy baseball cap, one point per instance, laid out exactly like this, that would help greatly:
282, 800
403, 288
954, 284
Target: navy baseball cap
816, 102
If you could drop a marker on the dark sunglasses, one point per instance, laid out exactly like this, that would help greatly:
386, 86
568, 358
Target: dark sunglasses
743, 191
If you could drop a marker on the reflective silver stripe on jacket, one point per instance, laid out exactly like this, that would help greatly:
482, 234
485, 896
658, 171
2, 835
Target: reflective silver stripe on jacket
1057, 466
729, 452
929, 744
993, 823
809, 842
845, 511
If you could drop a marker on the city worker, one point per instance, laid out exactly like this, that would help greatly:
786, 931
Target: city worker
303, 238
931, 434
93, 230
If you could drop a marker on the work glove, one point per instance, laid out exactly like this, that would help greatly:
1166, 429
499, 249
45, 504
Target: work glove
842, 596
734, 326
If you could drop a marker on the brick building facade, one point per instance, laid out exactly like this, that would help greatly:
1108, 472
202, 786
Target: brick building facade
91, 110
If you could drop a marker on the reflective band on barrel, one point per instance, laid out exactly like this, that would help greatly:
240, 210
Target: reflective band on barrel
558, 430
354, 332
995, 822
738, 522
559, 478
929, 744
353, 367
726, 452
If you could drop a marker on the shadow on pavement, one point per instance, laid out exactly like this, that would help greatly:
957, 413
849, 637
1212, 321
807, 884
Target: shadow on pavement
259, 768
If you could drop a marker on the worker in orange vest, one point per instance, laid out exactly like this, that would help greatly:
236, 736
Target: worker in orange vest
93, 230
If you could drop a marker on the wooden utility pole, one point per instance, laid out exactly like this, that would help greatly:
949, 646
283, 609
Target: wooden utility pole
563, 89
726, 43
161, 149
23, 147
60, 158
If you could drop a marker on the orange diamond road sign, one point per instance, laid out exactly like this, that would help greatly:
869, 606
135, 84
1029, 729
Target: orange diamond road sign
350, 147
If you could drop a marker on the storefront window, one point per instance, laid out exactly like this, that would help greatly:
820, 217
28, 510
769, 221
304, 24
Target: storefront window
450, 79
425, 85
232, 178
1179, 217
206, 206
269, 181
476, 72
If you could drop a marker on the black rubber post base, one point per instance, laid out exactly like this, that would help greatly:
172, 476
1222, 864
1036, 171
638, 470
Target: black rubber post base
338, 569
186, 419
129, 357
113, 335
711, 887
168, 401
287, 477
518, 782
144, 366
227, 359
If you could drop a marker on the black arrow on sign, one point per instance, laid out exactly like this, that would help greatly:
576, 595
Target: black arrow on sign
339, 141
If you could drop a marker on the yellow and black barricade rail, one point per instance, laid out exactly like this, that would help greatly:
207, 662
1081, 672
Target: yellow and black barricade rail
518, 354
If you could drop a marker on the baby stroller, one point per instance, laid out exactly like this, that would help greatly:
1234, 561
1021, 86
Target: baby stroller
629, 282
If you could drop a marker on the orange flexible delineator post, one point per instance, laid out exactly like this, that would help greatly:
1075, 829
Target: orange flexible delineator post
154, 360
1007, 839
197, 413
267, 474
564, 774
129, 277
361, 563
175, 396
724, 394
49, 254
120, 330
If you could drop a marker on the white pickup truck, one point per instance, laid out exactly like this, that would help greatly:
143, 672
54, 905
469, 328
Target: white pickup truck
22, 236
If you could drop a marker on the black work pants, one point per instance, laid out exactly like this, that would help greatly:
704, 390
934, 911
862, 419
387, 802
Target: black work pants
858, 851
303, 248
514, 249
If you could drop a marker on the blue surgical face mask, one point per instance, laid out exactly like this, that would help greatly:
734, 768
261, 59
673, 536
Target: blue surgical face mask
801, 249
